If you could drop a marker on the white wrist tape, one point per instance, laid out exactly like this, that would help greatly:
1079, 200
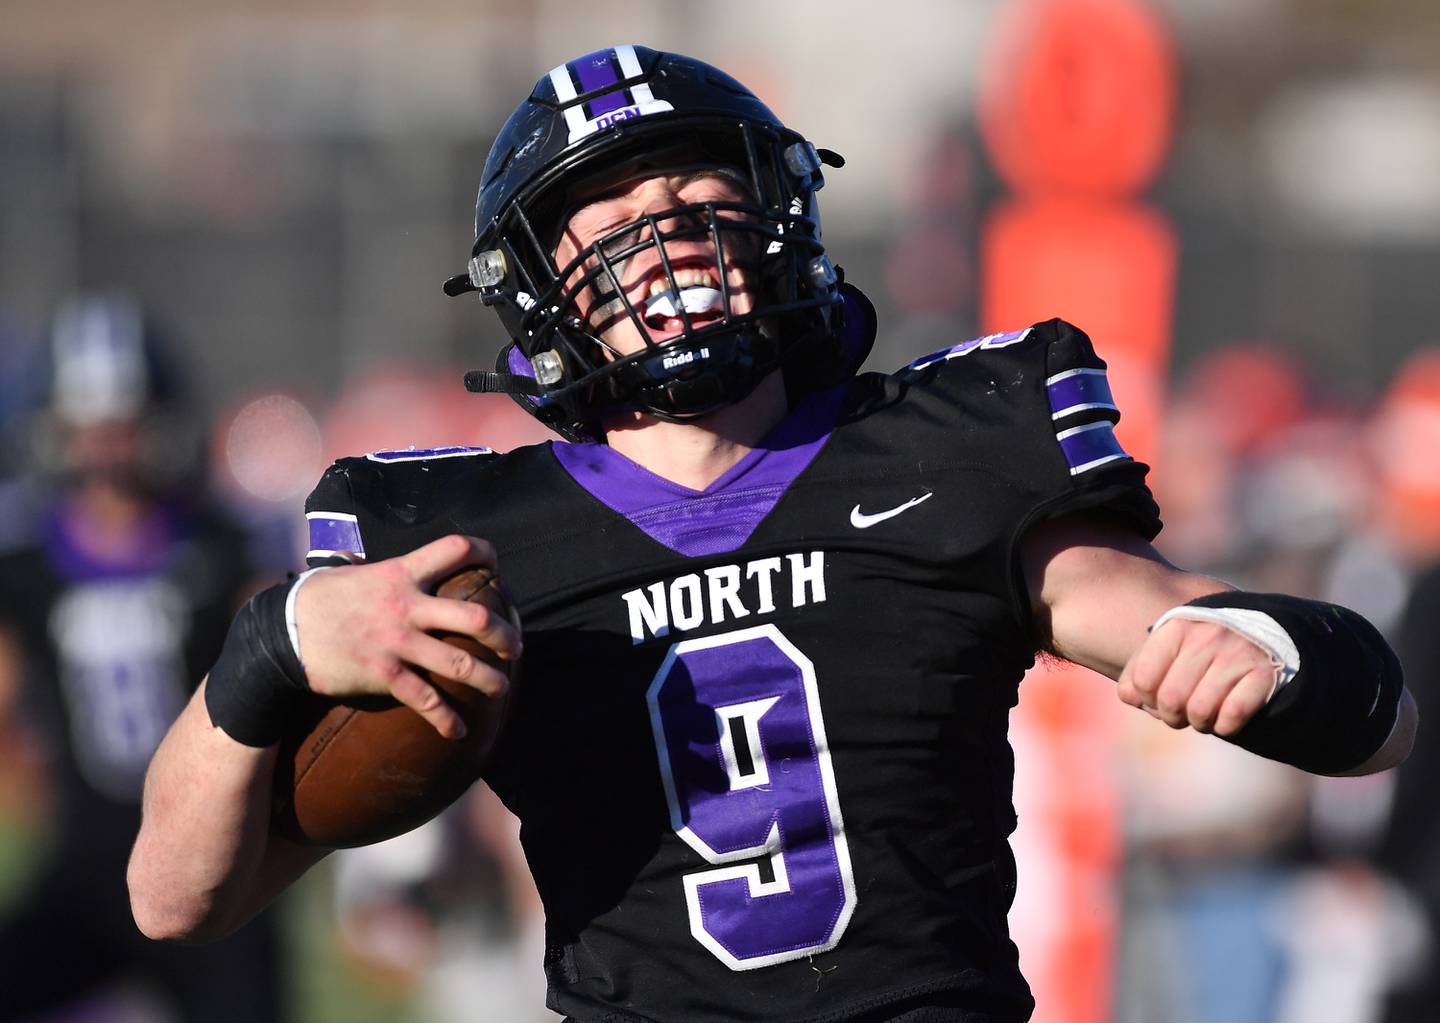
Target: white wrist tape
1256, 626
290, 626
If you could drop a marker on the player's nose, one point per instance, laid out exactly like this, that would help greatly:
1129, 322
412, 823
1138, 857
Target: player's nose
658, 196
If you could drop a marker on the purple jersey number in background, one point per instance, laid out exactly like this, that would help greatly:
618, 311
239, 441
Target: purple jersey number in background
748, 778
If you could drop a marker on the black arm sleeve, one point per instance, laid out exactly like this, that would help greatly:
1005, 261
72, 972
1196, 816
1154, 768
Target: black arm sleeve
1411, 846
1341, 707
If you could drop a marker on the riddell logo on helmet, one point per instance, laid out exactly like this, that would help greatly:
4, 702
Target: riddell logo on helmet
684, 358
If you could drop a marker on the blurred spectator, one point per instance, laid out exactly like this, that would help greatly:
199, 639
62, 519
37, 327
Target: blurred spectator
1258, 901
1212, 832
1406, 447
450, 912
929, 269
107, 619
1411, 849
1227, 406
1408, 450
1208, 830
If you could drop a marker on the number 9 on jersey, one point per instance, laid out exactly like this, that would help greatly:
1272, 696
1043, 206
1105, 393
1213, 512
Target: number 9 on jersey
748, 778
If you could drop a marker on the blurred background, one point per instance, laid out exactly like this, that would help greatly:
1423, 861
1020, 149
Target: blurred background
1238, 199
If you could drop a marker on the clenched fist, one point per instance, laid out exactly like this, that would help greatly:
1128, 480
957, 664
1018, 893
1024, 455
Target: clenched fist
1200, 674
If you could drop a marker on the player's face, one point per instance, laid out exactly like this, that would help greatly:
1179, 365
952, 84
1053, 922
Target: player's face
110, 451
642, 278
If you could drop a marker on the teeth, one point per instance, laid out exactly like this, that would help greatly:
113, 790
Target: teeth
687, 278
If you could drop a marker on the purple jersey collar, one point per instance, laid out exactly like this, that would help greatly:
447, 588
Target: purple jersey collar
75, 559
721, 517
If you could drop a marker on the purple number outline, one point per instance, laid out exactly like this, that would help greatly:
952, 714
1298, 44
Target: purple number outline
750, 872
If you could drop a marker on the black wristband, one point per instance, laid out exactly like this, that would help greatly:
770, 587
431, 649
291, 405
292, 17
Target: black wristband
258, 681
1341, 706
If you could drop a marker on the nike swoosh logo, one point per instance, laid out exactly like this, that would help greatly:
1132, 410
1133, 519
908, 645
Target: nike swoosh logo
860, 520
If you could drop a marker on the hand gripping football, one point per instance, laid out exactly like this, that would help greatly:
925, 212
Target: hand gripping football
358, 771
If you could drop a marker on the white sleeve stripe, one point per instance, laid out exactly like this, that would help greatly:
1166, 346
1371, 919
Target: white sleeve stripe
1067, 374
1076, 470
1083, 407
1104, 424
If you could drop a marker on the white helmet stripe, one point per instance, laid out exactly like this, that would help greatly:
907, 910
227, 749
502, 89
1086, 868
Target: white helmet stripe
565, 93
629, 63
564, 87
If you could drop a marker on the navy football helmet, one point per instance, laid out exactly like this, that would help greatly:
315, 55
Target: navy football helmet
107, 362
619, 114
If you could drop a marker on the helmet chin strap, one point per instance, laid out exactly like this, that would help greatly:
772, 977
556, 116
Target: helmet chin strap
482, 381
676, 382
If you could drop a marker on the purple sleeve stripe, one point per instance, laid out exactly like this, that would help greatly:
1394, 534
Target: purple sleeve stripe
1077, 390
426, 454
331, 532
1089, 446
1004, 340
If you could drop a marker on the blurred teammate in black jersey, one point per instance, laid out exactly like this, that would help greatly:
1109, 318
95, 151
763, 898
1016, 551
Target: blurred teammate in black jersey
108, 614
775, 612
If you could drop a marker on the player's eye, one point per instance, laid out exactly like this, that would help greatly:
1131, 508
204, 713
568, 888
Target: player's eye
714, 188
614, 246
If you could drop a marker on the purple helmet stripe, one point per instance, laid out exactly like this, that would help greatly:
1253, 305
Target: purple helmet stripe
1078, 390
596, 71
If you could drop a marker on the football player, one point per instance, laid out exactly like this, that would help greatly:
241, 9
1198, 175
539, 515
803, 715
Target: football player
106, 618
775, 612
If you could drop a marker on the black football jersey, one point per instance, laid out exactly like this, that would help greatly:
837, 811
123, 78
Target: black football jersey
112, 648
759, 753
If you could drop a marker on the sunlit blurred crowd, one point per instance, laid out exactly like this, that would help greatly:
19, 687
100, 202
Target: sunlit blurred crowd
1262, 893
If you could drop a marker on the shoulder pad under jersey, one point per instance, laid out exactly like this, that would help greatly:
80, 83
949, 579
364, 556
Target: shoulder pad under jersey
1036, 403
381, 485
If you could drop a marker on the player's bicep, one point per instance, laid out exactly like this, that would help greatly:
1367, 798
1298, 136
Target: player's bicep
1096, 586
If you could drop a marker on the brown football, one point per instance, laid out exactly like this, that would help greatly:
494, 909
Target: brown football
359, 771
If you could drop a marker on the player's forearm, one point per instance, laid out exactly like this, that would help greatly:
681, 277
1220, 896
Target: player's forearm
197, 862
